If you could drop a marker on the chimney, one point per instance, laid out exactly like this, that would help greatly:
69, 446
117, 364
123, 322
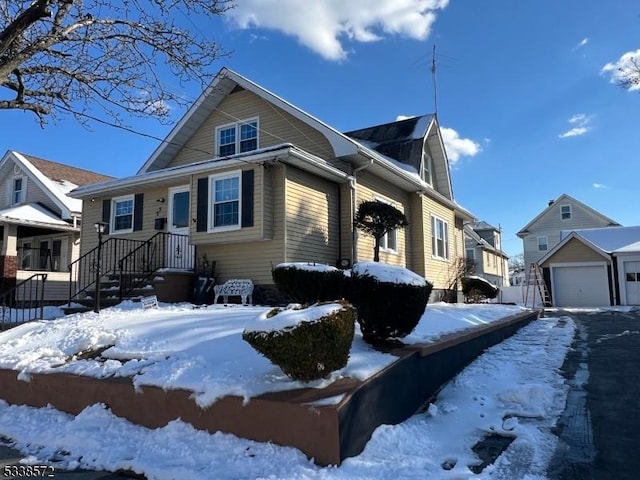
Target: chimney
551, 202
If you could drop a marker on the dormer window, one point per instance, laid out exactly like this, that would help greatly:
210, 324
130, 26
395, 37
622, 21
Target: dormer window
17, 191
427, 169
565, 212
237, 137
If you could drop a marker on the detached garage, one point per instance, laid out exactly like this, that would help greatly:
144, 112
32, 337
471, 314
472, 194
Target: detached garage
595, 267
580, 286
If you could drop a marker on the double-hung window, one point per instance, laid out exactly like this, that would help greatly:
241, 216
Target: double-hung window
17, 191
122, 214
565, 212
439, 238
543, 244
225, 201
237, 138
389, 241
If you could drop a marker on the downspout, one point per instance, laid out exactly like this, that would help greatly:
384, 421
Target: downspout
353, 185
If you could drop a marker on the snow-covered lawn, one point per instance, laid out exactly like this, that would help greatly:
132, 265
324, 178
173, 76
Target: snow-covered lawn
177, 346
513, 389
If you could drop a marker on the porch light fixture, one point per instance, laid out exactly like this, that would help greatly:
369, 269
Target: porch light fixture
101, 228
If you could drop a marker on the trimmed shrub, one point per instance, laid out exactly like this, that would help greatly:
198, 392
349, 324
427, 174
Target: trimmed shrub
387, 310
309, 350
478, 288
309, 283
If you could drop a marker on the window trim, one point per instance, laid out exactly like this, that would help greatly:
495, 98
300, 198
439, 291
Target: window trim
23, 190
546, 243
236, 126
114, 202
211, 228
434, 243
427, 166
562, 217
384, 240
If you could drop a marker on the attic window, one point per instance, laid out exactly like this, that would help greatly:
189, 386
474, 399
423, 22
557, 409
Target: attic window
237, 138
427, 169
17, 191
565, 212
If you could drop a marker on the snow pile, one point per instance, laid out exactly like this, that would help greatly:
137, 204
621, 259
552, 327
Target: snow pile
311, 267
200, 349
389, 273
266, 322
514, 389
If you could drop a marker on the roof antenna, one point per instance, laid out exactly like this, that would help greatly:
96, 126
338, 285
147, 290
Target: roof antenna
433, 77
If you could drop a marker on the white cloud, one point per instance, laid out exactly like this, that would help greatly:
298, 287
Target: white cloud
581, 44
582, 124
626, 70
599, 185
323, 25
458, 147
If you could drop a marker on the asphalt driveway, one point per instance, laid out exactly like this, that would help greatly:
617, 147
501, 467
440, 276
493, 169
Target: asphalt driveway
600, 428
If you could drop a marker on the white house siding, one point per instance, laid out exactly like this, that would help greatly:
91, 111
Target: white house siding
629, 278
551, 224
275, 127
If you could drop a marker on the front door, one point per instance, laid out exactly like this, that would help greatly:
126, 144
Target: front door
180, 252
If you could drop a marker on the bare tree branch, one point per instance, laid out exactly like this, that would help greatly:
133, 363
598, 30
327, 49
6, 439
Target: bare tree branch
71, 56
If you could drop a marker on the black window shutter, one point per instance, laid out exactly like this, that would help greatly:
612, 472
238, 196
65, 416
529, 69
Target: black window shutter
202, 204
138, 205
247, 198
106, 214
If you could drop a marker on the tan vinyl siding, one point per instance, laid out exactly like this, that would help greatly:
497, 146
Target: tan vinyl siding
438, 271
258, 231
254, 259
368, 188
275, 127
312, 222
574, 251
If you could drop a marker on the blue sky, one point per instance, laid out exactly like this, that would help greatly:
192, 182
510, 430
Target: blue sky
528, 109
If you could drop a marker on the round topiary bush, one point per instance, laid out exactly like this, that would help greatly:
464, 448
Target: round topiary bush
478, 288
307, 344
308, 283
390, 300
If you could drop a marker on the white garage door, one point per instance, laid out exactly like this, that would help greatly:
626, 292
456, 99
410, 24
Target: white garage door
585, 286
632, 282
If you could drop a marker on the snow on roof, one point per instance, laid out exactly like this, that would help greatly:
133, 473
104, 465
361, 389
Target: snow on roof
608, 239
31, 214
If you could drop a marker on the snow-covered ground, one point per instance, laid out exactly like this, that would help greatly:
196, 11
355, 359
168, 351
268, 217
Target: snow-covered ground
513, 389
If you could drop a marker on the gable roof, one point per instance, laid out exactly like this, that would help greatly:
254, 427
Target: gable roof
604, 241
55, 179
470, 232
564, 198
222, 85
362, 156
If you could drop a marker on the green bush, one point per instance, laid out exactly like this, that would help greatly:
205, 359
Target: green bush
306, 286
387, 310
310, 350
478, 288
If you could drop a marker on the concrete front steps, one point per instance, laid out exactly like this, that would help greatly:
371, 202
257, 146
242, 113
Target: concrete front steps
110, 293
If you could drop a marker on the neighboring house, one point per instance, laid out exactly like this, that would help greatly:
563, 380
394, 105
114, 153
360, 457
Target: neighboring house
252, 181
40, 223
565, 213
595, 267
483, 246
